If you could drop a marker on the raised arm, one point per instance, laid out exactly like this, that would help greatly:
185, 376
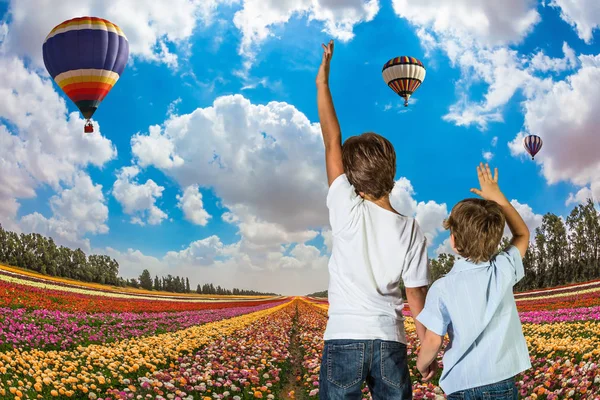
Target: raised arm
491, 191
330, 127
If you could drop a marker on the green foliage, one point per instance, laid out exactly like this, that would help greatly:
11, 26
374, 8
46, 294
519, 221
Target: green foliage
319, 294
38, 253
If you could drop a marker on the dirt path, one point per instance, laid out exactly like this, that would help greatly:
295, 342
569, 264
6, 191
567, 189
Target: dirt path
293, 388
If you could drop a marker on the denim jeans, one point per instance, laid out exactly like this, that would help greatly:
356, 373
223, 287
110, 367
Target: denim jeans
347, 364
504, 390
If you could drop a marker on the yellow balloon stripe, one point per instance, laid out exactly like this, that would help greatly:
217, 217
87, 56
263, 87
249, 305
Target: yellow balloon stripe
88, 23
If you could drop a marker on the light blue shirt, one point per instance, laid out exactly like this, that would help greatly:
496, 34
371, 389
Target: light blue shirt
475, 305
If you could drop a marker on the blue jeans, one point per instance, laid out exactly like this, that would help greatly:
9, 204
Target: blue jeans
504, 390
347, 364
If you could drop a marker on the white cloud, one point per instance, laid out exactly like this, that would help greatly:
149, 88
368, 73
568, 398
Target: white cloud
488, 23
264, 161
494, 141
327, 238
138, 200
35, 130
584, 15
430, 215
200, 252
445, 247
257, 18
76, 211
566, 117
476, 35
532, 220
150, 28
301, 271
487, 155
193, 207
582, 196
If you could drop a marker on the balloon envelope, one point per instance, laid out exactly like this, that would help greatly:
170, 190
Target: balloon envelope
532, 144
85, 57
404, 75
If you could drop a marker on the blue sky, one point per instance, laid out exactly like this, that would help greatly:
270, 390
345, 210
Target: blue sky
494, 79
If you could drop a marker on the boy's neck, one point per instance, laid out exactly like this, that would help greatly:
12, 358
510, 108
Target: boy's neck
383, 202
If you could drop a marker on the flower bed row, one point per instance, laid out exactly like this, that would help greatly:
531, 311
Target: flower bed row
60, 330
15, 295
32, 278
81, 371
248, 363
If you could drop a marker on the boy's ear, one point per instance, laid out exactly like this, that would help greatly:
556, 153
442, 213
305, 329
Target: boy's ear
361, 194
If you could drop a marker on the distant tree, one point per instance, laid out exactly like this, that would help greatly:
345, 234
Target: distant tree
146, 280
156, 283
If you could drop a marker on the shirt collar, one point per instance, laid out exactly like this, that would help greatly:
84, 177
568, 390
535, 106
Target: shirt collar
463, 264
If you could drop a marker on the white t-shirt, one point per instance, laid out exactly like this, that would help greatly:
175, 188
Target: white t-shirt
373, 249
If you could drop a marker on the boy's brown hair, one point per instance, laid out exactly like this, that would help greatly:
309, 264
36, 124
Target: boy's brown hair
477, 226
370, 164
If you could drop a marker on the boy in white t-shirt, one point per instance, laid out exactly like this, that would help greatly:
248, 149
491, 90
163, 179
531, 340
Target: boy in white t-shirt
374, 247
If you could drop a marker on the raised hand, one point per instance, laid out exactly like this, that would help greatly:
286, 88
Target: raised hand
489, 184
323, 75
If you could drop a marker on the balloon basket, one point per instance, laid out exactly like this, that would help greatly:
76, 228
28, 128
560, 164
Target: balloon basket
89, 127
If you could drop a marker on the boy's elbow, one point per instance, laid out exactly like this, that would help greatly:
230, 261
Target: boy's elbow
433, 340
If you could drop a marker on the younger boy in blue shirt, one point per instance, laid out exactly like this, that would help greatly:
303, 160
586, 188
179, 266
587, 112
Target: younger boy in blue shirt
474, 303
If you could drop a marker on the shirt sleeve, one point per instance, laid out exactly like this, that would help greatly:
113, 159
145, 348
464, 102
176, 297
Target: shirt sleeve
434, 315
510, 263
341, 199
416, 266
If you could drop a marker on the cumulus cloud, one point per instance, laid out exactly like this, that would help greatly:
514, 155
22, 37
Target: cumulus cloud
566, 116
150, 29
265, 162
298, 271
583, 15
192, 206
35, 130
257, 18
138, 200
76, 211
430, 215
487, 155
488, 23
532, 220
582, 196
476, 35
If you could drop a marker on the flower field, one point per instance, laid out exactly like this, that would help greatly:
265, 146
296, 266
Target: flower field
64, 341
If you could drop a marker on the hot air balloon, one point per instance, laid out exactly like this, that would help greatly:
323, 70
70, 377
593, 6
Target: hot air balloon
85, 57
404, 75
532, 144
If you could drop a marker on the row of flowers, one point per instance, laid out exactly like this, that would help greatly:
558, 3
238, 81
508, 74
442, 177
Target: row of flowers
39, 296
87, 371
49, 285
110, 291
248, 363
60, 330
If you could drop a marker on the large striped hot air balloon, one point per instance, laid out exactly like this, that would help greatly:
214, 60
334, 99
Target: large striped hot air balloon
85, 57
532, 144
404, 75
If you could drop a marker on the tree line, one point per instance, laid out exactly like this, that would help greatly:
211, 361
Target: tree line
182, 285
38, 253
560, 251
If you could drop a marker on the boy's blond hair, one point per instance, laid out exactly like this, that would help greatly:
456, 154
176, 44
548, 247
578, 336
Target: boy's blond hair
477, 226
